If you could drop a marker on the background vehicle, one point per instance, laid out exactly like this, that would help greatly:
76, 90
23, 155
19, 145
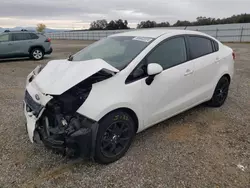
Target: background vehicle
24, 44
98, 99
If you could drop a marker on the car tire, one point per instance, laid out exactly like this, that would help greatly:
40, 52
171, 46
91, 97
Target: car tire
115, 134
37, 54
220, 93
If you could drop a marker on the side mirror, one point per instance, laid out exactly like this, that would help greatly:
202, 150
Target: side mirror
70, 58
153, 69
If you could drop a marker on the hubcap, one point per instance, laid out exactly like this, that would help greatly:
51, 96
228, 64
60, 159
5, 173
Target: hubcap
37, 54
115, 139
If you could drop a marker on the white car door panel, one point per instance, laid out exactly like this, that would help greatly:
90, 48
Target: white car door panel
171, 90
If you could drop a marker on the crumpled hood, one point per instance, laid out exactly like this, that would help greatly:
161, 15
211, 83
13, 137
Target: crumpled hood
60, 75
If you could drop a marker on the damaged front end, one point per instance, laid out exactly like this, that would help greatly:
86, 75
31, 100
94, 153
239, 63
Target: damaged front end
70, 135
53, 119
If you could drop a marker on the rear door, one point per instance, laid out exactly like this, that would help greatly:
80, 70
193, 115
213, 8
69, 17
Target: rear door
5, 45
205, 56
22, 43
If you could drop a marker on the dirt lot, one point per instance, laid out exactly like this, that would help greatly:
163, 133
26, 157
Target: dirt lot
203, 147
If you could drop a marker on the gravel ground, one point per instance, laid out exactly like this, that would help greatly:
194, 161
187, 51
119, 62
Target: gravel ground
203, 147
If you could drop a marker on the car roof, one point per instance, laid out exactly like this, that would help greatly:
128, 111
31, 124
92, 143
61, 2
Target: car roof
6, 32
155, 33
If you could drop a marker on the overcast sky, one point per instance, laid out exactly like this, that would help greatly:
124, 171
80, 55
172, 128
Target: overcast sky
69, 14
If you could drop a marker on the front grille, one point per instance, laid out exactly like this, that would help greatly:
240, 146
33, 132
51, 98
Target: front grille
32, 105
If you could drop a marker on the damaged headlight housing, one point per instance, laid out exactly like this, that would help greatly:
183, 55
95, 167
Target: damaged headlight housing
38, 69
73, 98
34, 73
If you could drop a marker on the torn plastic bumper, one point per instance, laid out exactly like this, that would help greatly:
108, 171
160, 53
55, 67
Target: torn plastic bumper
76, 139
72, 135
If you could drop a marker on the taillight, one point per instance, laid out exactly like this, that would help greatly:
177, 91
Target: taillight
48, 40
234, 55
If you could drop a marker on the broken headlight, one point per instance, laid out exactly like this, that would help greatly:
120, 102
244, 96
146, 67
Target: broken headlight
33, 74
71, 100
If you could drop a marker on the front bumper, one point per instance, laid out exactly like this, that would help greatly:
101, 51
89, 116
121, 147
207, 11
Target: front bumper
77, 139
71, 141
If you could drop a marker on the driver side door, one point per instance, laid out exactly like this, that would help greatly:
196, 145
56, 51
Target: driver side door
5, 45
172, 90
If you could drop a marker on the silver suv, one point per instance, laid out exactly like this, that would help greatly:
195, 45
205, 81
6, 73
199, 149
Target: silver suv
24, 44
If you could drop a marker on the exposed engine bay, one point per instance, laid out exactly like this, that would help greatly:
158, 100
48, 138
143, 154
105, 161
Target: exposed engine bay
60, 127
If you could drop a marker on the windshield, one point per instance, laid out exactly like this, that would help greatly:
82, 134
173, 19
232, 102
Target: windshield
117, 51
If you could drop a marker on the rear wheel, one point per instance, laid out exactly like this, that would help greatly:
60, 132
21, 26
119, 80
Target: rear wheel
220, 93
37, 54
114, 137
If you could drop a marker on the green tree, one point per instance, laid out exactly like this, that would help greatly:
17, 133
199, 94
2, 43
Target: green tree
163, 24
147, 24
242, 18
98, 25
41, 27
112, 25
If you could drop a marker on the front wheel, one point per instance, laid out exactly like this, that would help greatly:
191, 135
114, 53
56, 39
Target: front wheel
115, 134
220, 93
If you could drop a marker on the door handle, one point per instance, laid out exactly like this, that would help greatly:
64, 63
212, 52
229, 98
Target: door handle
10, 44
188, 72
217, 59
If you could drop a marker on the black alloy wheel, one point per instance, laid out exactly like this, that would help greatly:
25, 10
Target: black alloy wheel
220, 93
115, 134
115, 139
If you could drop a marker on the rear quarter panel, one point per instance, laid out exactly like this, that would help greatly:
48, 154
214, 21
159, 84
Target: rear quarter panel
41, 42
226, 64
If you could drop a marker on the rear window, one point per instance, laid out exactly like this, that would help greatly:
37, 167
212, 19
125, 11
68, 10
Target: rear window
33, 36
200, 46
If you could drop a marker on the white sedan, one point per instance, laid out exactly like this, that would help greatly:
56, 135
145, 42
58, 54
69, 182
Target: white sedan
94, 103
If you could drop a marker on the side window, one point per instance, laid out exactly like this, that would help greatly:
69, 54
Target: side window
170, 53
4, 38
21, 36
200, 46
33, 36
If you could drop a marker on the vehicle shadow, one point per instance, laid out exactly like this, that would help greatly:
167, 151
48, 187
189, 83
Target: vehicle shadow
182, 117
23, 59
